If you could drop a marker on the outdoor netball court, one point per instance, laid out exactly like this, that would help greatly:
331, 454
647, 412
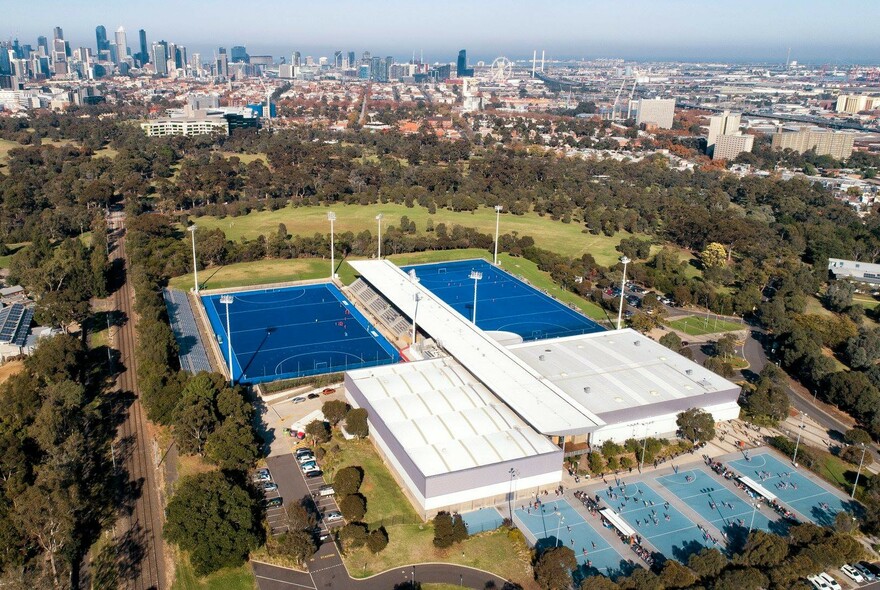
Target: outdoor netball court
504, 302
294, 332
683, 512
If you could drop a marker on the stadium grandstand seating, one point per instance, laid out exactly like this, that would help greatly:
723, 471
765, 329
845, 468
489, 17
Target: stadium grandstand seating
193, 357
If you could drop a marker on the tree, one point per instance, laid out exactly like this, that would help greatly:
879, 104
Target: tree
318, 430
862, 350
215, 520
672, 341
597, 463
334, 411
459, 528
377, 540
725, 347
553, 568
763, 549
443, 533
298, 545
708, 563
676, 575
714, 255
356, 423
353, 507
195, 417
347, 481
857, 436
353, 535
747, 578
598, 583
719, 366
233, 445
300, 518
839, 295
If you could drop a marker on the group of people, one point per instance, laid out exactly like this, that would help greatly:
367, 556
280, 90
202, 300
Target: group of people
706, 535
643, 553
719, 468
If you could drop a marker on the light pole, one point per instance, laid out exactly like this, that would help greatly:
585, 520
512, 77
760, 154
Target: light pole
856, 484
559, 525
192, 230
513, 473
624, 260
476, 276
644, 446
379, 221
417, 297
227, 301
752, 523
798, 442
498, 209
331, 217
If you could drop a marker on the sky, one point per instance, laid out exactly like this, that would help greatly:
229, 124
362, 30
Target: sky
833, 32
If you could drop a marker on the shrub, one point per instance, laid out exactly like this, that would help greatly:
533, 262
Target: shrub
443, 530
348, 480
356, 423
353, 507
377, 540
353, 535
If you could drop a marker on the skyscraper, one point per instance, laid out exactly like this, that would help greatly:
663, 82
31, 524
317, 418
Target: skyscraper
222, 63
656, 111
351, 59
160, 57
101, 38
239, 55
723, 124
145, 52
337, 59
43, 43
461, 69
57, 33
121, 44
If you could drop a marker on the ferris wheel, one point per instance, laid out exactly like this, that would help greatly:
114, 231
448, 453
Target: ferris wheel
500, 69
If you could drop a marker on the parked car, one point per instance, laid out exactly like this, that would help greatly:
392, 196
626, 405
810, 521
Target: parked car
866, 573
326, 490
269, 486
316, 473
871, 567
310, 467
261, 475
313, 396
818, 583
303, 450
298, 399
852, 573
831, 582
305, 458
333, 516
328, 390
273, 502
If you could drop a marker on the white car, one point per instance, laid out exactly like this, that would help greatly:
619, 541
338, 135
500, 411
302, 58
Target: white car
831, 582
310, 467
818, 583
853, 574
298, 399
303, 459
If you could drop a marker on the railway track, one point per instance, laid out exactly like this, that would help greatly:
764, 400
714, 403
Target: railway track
139, 529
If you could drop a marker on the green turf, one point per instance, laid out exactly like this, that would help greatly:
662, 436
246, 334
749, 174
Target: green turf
240, 578
696, 326
562, 238
13, 250
865, 301
246, 158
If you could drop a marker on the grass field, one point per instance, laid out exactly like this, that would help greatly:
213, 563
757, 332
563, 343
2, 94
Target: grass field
9, 369
385, 501
240, 578
246, 158
698, 326
866, 301
495, 552
563, 238
5, 147
275, 271
13, 250
105, 152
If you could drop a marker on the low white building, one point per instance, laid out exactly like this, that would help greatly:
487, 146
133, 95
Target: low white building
862, 272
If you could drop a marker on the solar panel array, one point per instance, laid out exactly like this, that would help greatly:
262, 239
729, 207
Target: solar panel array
193, 357
15, 322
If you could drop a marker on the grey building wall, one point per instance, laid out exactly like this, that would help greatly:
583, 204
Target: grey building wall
674, 406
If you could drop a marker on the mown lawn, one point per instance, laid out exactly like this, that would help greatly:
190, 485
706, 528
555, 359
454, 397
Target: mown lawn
246, 158
563, 238
240, 578
13, 250
696, 326
496, 552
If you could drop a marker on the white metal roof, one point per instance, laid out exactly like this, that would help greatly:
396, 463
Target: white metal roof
537, 400
618, 370
446, 419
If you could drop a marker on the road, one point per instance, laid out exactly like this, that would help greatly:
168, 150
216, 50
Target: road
139, 528
326, 569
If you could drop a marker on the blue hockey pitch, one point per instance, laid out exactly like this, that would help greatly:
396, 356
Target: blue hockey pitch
504, 302
295, 332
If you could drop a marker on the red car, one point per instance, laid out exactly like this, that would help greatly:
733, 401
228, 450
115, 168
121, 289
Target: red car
328, 390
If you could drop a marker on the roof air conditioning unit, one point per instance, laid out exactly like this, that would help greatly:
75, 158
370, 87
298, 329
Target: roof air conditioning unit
689, 371
540, 357
586, 390
638, 342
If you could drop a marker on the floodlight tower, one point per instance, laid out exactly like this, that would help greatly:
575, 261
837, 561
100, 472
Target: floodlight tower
331, 217
192, 230
624, 260
227, 301
476, 276
498, 209
379, 221
417, 297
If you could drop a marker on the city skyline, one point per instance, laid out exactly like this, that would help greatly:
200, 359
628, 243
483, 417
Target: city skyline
648, 31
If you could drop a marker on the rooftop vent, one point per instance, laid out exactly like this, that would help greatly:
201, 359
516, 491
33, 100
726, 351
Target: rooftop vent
540, 357
586, 390
638, 342
689, 371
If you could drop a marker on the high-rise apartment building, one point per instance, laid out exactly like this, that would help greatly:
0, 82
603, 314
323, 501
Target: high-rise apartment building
43, 44
838, 145
121, 44
57, 33
656, 111
296, 59
726, 123
351, 59
856, 103
239, 54
729, 146
222, 63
